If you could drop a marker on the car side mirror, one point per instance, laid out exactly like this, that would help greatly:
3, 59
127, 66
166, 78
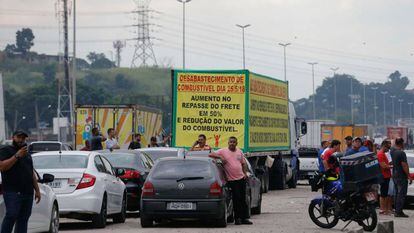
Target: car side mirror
259, 171
119, 172
303, 128
47, 178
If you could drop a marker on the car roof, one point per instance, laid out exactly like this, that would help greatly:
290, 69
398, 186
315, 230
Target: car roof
123, 151
159, 149
70, 152
38, 142
409, 153
186, 158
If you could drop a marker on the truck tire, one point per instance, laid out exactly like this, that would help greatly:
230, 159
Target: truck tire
277, 176
265, 180
294, 180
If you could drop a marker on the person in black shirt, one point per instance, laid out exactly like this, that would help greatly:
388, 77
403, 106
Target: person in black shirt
19, 184
96, 139
400, 176
136, 142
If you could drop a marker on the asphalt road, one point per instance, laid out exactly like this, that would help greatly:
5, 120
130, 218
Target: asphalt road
282, 211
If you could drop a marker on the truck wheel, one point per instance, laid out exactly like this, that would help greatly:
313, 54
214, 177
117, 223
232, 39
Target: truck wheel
277, 176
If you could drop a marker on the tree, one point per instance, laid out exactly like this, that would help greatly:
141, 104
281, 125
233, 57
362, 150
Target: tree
99, 61
10, 49
24, 40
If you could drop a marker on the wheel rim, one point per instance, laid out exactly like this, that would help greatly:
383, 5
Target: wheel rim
368, 222
324, 219
55, 221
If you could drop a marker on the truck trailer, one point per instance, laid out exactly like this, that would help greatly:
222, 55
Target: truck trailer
254, 108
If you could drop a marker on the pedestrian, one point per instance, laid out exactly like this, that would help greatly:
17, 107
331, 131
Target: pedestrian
96, 139
136, 142
401, 176
235, 168
200, 144
370, 146
87, 146
324, 145
153, 142
385, 198
112, 141
19, 183
329, 163
356, 147
348, 143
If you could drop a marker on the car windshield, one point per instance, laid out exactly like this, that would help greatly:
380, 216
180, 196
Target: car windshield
410, 161
158, 154
38, 147
57, 161
124, 160
178, 169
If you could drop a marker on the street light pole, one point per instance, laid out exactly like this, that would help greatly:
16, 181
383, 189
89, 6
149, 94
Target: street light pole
334, 79
284, 55
411, 110
352, 102
375, 105
184, 2
393, 109
244, 51
313, 87
384, 93
401, 101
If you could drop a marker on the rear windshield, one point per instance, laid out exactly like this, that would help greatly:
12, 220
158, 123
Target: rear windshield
60, 161
124, 160
37, 147
176, 169
161, 154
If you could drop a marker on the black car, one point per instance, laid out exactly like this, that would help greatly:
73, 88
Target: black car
137, 165
40, 146
190, 188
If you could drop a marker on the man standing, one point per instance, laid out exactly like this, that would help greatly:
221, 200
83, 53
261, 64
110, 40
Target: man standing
324, 145
112, 141
136, 142
236, 172
200, 144
400, 176
153, 142
19, 184
96, 139
328, 163
356, 147
348, 142
385, 199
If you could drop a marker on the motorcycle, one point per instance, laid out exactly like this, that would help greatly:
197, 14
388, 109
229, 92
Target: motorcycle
337, 204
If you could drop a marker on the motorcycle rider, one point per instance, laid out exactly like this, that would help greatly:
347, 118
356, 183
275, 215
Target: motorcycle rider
329, 162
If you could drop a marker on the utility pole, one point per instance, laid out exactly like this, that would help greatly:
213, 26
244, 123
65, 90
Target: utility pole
37, 120
401, 101
384, 93
184, 2
313, 87
143, 47
352, 102
118, 45
334, 69
410, 105
284, 55
375, 105
365, 106
244, 49
393, 109
74, 58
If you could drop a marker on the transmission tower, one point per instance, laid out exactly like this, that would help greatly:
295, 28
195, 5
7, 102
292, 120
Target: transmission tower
64, 109
118, 45
143, 47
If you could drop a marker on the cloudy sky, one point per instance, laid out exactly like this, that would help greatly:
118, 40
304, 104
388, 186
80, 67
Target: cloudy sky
365, 38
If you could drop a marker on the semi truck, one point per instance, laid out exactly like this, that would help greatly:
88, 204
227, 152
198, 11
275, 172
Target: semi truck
251, 107
330, 132
127, 120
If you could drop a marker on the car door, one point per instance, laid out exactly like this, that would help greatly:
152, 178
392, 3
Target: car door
254, 184
103, 177
40, 212
115, 194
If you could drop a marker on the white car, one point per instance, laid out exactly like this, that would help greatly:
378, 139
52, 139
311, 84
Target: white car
410, 192
45, 215
308, 162
86, 185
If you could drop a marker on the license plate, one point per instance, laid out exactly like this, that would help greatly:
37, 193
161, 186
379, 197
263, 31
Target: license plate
370, 196
180, 206
55, 184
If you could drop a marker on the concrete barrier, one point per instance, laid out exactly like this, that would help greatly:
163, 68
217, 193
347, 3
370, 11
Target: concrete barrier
385, 227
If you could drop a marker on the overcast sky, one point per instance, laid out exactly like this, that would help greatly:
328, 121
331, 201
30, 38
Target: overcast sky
366, 38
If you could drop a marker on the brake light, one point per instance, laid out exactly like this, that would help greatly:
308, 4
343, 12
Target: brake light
148, 189
215, 189
130, 174
86, 181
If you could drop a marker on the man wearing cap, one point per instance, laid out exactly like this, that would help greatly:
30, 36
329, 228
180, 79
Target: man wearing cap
356, 147
348, 143
19, 183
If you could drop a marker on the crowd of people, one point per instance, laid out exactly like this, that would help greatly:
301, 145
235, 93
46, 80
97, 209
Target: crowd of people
111, 142
393, 165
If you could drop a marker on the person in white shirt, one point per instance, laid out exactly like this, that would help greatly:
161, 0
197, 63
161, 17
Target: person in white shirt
112, 141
